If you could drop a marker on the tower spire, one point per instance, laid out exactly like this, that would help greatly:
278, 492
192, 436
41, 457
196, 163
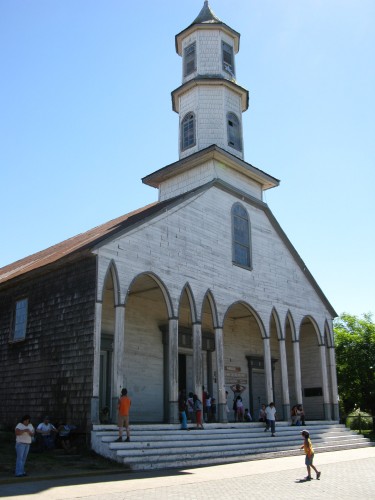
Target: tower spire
206, 15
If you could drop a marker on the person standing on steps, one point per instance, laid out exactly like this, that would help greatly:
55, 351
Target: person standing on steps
124, 404
271, 418
237, 391
198, 411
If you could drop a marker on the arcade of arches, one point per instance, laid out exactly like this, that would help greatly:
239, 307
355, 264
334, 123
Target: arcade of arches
155, 350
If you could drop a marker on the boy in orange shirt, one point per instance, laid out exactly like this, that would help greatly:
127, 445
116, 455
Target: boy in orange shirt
124, 404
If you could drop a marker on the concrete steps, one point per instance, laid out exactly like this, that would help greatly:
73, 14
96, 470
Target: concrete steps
164, 446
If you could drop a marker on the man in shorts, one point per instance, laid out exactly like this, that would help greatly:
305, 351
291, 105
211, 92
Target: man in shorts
124, 404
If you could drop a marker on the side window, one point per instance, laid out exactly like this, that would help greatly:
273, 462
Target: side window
190, 59
228, 59
188, 131
234, 132
20, 320
241, 236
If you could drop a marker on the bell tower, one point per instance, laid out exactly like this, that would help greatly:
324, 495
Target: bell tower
209, 102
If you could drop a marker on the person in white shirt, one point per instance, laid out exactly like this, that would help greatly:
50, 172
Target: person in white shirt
270, 418
24, 432
48, 433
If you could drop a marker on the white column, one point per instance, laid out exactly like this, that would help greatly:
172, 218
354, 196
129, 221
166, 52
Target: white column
118, 357
334, 390
297, 372
96, 364
284, 379
323, 363
219, 349
173, 370
197, 358
268, 368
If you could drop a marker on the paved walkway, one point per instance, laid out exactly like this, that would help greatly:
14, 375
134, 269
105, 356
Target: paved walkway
345, 475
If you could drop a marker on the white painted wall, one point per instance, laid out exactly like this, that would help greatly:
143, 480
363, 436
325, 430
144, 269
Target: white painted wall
191, 243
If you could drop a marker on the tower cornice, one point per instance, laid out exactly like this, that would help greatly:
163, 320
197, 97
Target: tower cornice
205, 26
209, 81
211, 153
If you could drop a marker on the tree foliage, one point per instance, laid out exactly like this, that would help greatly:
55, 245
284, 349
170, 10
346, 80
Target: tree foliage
355, 359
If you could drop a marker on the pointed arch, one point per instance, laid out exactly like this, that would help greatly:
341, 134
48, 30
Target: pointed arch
193, 307
274, 315
315, 326
289, 319
212, 303
328, 334
113, 272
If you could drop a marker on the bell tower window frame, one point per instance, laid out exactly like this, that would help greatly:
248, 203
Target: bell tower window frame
228, 59
234, 132
188, 139
190, 59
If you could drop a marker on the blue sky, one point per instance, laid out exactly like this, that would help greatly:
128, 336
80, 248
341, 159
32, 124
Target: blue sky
85, 113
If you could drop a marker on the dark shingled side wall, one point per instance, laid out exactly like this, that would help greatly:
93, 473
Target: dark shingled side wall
50, 372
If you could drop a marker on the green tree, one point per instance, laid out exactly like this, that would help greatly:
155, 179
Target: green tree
355, 359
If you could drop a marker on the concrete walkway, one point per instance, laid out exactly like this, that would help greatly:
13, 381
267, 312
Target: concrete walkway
345, 474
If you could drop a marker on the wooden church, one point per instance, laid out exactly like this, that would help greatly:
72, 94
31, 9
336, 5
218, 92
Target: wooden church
200, 288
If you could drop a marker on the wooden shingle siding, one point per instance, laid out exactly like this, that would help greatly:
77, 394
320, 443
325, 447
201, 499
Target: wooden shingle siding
51, 370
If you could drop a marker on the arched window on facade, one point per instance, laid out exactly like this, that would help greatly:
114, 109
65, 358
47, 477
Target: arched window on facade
234, 132
188, 131
241, 236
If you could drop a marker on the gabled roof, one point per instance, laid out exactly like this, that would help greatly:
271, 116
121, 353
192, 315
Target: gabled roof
98, 235
73, 245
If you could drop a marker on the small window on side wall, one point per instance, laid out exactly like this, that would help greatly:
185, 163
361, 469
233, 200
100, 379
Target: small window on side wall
234, 132
241, 236
188, 131
20, 320
190, 59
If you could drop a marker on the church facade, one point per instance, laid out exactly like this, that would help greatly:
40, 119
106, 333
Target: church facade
201, 288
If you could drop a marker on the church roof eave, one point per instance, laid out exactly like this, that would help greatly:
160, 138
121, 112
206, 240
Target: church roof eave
95, 238
212, 152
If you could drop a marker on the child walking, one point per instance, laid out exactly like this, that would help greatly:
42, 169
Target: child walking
309, 451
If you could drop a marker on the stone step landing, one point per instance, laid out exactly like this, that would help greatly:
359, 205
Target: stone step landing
164, 446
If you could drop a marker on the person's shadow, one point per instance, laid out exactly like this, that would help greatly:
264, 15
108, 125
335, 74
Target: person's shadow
304, 480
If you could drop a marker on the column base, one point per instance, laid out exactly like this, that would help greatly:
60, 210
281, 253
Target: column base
222, 413
327, 411
286, 413
94, 408
173, 412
